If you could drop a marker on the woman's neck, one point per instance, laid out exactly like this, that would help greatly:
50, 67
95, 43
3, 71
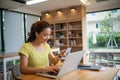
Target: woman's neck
38, 46
36, 43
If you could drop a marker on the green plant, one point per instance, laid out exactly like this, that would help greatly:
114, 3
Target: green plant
102, 40
117, 38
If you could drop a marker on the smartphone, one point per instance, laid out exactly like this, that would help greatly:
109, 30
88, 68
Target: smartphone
68, 50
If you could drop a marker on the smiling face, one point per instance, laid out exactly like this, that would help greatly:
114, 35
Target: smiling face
43, 36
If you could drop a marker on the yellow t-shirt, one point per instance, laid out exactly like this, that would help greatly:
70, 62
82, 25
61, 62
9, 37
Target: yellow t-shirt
36, 59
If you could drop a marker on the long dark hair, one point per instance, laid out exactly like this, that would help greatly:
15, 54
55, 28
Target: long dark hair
38, 26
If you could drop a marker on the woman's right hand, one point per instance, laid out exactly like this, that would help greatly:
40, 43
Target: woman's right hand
53, 69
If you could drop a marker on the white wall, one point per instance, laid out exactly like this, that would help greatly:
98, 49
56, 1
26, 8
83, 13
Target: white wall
91, 27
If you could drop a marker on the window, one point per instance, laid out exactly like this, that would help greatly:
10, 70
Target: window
14, 31
30, 19
0, 31
103, 25
96, 25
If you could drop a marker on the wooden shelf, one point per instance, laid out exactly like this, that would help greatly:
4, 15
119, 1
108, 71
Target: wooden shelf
61, 38
74, 37
75, 29
67, 28
61, 46
60, 30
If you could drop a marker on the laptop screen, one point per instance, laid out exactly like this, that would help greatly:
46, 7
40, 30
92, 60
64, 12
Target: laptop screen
71, 62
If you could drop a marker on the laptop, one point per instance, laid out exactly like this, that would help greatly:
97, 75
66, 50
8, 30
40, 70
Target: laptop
71, 63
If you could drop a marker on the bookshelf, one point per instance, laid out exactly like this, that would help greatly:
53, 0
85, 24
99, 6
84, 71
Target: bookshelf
68, 28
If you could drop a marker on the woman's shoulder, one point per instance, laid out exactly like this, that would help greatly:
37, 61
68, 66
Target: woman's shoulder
26, 44
47, 45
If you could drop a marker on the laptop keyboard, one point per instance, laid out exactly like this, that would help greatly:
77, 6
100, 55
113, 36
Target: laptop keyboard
52, 73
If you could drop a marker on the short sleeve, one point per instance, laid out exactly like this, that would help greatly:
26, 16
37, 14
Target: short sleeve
24, 50
48, 48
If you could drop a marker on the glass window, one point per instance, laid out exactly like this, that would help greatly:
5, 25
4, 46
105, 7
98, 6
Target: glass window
96, 25
113, 11
30, 19
92, 14
0, 32
13, 31
105, 25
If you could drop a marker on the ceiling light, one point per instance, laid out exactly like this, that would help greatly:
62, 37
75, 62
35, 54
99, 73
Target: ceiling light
34, 1
73, 9
86, 2
47, 13
59, 11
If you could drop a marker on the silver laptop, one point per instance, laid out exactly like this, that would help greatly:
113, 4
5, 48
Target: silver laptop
71, 63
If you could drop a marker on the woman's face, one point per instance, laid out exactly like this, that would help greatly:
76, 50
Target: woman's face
44, 36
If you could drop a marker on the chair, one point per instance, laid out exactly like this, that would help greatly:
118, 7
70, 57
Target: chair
105, 59
110, 58
16, 71
98, 58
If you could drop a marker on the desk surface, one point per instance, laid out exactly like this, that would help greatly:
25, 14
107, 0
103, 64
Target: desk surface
107, 74
5, 55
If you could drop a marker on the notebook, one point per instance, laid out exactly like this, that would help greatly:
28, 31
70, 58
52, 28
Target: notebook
90, 67
71, 63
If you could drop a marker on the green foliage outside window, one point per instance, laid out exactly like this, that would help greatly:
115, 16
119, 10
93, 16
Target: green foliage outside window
106, 29
102, 40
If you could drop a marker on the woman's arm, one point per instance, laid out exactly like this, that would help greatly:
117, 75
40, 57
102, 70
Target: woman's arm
24, 68
56, 59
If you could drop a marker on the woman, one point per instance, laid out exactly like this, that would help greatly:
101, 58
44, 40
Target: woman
35, 54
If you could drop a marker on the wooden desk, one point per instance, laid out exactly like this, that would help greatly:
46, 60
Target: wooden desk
107, 74
5, 57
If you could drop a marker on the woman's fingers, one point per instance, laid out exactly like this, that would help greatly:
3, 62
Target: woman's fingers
53, 69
